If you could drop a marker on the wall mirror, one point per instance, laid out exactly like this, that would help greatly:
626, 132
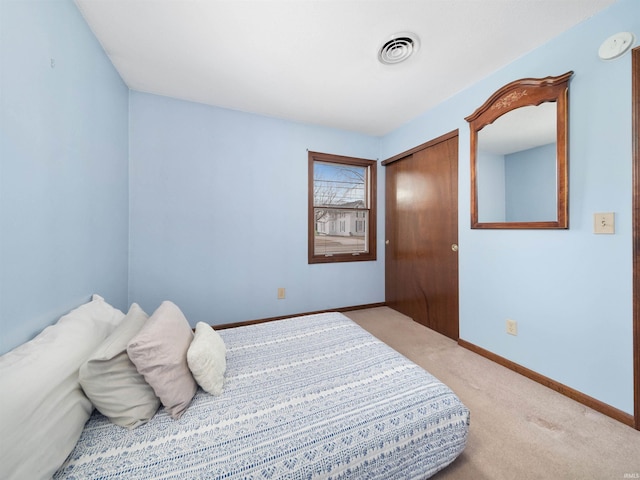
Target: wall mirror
519, 156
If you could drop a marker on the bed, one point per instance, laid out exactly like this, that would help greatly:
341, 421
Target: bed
308, 397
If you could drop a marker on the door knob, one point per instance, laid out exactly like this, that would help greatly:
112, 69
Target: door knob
454, 247
386, 242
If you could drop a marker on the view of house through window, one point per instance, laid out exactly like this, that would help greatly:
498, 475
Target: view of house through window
341, 208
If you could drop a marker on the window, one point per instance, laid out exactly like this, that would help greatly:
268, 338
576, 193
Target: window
342, 208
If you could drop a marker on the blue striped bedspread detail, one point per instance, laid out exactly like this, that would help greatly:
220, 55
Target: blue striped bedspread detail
313, 397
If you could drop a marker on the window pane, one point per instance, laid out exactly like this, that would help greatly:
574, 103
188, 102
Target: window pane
342, 209
340, 231
339, 185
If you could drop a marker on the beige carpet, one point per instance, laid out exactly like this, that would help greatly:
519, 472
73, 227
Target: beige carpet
520, 429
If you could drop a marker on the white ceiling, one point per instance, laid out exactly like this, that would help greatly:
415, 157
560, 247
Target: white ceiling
315, 61
520, 129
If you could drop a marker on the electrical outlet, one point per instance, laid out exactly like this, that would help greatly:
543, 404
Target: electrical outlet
512, 327
281, 293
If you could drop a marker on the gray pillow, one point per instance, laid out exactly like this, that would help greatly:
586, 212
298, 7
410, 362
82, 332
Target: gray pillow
112, 382
159, 352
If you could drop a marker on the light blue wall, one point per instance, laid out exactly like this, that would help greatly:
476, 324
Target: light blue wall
569, 290
63, 168
531, 184
219, 214
490, 169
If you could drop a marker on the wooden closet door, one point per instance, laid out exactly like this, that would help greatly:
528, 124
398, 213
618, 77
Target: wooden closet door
421, 266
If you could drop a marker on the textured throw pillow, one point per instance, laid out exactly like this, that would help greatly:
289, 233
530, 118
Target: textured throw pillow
159, 352
207, 358
43, 408
111, 380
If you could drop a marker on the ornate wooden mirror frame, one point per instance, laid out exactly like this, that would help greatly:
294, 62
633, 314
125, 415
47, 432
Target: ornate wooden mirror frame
524, 93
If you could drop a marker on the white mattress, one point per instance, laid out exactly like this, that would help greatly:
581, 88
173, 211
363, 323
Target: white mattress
308, 397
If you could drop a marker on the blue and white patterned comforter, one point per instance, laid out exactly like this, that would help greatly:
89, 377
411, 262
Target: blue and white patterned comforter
304, 398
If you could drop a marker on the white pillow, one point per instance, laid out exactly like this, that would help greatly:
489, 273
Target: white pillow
207, 358
159, 352
112, 383
42, 407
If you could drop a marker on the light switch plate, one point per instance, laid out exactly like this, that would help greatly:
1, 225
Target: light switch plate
604, 223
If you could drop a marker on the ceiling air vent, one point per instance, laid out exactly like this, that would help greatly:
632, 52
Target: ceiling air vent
399, 48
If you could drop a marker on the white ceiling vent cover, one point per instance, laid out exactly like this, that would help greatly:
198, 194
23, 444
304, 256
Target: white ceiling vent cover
399, 48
